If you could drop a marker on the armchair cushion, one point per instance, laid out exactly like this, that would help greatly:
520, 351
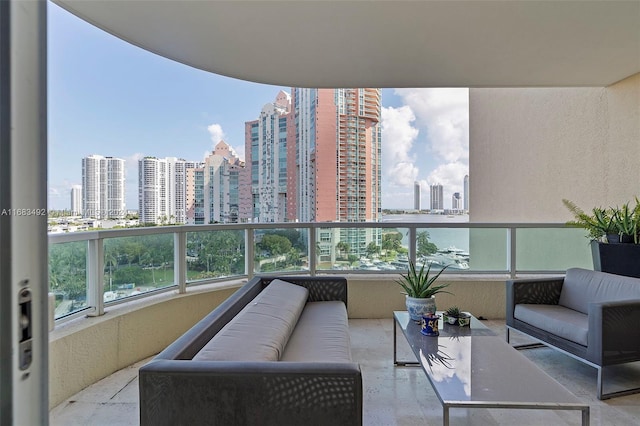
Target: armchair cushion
566, 323
582, 286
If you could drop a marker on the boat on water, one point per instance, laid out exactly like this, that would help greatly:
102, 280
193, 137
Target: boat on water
452, 257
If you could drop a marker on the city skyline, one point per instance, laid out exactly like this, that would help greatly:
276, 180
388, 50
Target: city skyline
112, 98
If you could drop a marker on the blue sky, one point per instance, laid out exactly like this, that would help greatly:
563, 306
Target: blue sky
111, 98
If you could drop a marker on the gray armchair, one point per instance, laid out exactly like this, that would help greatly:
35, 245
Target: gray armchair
592, 316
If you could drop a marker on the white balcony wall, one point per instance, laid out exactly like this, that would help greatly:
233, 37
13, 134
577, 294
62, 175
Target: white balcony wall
530, 148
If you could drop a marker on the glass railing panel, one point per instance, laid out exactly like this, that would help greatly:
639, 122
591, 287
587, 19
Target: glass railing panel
489, 250
440, 247
552, 249
138, 264
68, 276
281, 250
362, 249
215, 254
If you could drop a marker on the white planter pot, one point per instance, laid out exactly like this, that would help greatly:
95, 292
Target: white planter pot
418, 307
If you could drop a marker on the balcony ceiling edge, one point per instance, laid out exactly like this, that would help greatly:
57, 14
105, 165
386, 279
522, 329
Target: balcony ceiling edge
385, 43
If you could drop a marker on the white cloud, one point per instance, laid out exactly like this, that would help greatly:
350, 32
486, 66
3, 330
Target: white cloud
131, 167
131, 180
448, 175
398, 137
239, 151
216, 132
444, 115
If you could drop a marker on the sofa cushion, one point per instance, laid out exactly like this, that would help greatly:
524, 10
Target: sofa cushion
261, 329
563, 322
582, 286
322, 334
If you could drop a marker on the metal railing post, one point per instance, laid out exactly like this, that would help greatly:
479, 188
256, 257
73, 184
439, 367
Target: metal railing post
180, 261
248, 252
95, 276
412, 244
312, 250
511, 242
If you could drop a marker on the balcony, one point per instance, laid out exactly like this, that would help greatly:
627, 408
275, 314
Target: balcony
131, 325
138, 277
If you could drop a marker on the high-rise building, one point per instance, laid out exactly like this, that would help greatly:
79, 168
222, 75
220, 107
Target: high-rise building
416, 195
172, 190
315, 156
437, 202
212, 189
466, 193
149, 189
266, 157
337, 154
456, 201
103, 187
162, 189
76, 200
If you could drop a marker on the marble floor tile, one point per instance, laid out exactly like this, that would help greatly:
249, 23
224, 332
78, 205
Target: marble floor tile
392, 396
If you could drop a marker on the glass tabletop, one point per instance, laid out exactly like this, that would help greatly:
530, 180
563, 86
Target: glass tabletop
475, 328
471, 364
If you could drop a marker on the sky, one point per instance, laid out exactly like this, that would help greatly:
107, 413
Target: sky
110, 98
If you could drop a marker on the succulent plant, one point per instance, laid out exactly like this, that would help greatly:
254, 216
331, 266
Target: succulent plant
453, 312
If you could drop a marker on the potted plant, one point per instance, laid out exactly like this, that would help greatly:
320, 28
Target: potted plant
420, 289
454, 315
598, 224
451, 315
614, 235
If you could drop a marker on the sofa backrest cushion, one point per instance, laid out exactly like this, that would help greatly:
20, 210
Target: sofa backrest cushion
261, 330
582, 286
322, 334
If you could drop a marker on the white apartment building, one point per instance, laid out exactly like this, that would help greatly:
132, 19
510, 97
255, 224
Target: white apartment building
456, 201
162, 189
76, 200
173, 190
103, 194
437, 201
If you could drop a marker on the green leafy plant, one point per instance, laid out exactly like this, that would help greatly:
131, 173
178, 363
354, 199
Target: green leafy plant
453, 311
636, 222
598, 224
622, 221
420, 283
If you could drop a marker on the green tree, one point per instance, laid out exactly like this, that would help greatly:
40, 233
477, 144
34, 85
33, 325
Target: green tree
373, 248
425, 247
275, 244
343, 249
67, 269
293, 257
391, 241
218, 252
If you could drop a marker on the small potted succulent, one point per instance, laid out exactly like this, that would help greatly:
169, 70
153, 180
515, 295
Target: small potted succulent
451, 315
454, 315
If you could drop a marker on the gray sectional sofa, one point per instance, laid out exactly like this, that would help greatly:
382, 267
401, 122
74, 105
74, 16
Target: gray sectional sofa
592, 316
276, 352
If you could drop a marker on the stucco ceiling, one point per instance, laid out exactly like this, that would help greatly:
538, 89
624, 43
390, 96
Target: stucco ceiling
396, 43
